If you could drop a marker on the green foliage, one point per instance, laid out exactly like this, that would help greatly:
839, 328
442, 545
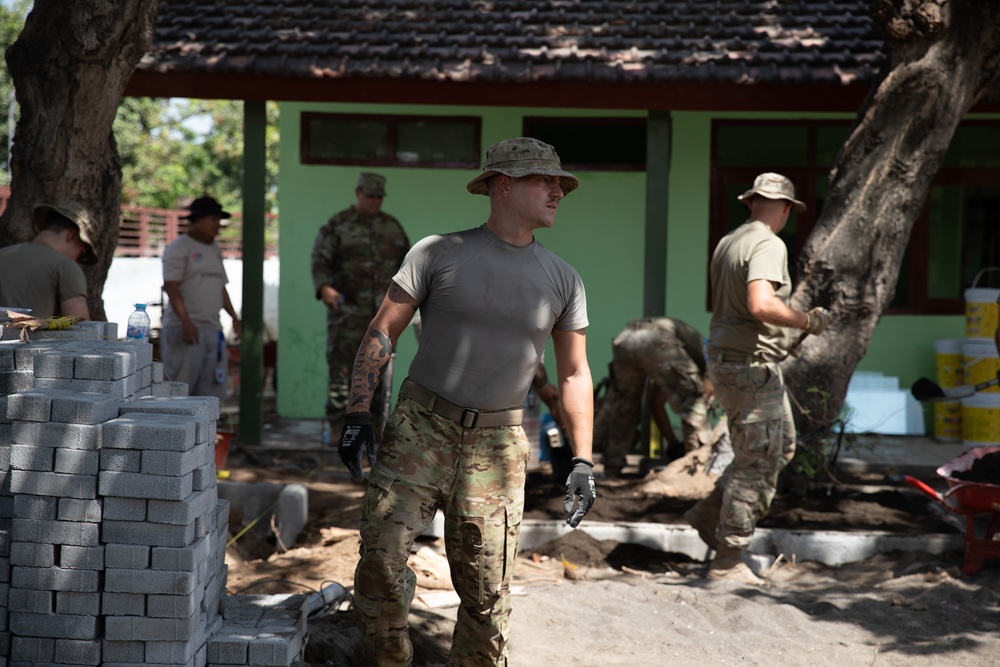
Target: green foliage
11, 21
174, 150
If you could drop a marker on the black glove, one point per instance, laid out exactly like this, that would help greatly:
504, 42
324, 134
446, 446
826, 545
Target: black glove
357, 437
579, 485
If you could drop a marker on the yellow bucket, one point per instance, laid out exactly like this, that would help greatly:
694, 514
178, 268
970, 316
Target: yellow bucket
948, 421
981, 420
981, 362
949, 363
981, 312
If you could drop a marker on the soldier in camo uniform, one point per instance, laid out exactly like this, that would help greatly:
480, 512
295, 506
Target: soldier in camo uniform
668, 352
750, 333
354, 258
489, 299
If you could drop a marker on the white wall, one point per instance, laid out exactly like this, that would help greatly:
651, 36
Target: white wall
138, 280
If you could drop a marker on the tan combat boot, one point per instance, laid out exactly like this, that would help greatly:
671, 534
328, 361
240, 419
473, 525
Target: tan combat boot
728, 565
704, 517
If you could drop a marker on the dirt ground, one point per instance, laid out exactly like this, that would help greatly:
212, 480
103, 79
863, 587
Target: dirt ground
581, 602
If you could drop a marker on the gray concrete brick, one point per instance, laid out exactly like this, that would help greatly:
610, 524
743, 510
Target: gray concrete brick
78, 651
176, 463
7, 355
125, 628
76, 461
160, 390
81, 558
127, 556
32, 649
56, 532
278, 649
146, 376
24, 353
195, 406
184, 511
41, 508
6, 433
138, 485
33, 405
29, 457
118, 389
156, 369
148, 582
173, 606
78, 604
121, 460
124, 509
95, 407
75, 509
204, 477
152, 534
182, 559
55, 434
32, 555
174, 433
55, 579
125, 652
123, 604
142, 392
54, 364
31, 601
105, 366
58, 626
178, 389
231, 645
54, 484
172, 653
15, 382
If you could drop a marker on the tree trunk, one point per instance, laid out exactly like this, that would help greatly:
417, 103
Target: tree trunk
70, 65
944, 59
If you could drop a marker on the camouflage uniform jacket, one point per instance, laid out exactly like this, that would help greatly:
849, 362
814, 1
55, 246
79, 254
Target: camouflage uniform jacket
358, 257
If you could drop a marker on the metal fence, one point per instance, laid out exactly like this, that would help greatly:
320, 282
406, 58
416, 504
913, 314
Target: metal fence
145, 232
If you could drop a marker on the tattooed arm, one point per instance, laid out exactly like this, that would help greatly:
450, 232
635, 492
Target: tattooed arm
376, 348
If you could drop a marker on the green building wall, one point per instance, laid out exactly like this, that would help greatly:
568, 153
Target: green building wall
599, 230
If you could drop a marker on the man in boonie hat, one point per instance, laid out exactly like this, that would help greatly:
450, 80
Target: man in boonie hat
192, 342
751, 331
44, 275
489, 298
354, 256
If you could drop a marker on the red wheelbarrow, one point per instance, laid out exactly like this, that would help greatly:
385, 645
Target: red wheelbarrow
968, 498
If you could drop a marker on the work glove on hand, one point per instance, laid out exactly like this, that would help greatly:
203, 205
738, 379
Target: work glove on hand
358, 437
580, 487
818, 320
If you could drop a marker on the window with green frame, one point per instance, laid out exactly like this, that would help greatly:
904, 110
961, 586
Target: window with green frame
955, 244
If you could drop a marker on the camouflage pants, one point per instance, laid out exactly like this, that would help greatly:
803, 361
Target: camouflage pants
345, 332
660, 356
476, 476
763, 438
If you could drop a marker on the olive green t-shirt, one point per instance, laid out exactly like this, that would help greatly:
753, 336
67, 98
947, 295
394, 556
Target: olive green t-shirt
35, 276
750, 252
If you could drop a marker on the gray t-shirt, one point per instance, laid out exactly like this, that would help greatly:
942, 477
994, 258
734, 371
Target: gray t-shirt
202, 276
487, 309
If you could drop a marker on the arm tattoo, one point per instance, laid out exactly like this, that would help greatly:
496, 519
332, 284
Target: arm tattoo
371, 362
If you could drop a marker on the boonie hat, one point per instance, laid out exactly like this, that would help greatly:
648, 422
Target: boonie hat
76, 214
205, 206
522, 156
371, 184
774, 186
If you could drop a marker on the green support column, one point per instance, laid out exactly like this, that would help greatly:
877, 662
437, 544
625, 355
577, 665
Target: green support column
252, 346
654, 294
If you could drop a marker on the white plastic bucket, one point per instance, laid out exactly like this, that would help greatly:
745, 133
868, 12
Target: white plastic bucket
981, 420
981, 312
949, 362
948, 421
981, 362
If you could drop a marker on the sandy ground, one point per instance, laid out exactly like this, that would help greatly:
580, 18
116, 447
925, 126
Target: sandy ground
580, 602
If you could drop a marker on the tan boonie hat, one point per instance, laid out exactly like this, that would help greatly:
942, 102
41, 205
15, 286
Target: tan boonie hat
371, 184
522, 156
76, 214
774, 186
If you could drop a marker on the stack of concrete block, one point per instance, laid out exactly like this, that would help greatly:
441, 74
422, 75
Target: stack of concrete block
112, 535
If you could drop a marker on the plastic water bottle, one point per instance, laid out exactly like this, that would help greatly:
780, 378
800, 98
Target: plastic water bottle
138, 325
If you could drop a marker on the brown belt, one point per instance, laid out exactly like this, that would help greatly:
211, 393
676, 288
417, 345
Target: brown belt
465, 417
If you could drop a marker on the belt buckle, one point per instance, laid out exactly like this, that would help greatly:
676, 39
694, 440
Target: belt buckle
469, 418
